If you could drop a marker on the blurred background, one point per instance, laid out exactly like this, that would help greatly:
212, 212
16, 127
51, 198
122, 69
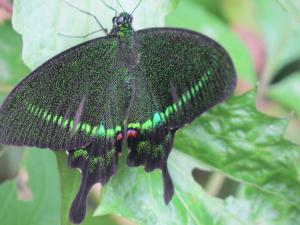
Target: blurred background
262, 37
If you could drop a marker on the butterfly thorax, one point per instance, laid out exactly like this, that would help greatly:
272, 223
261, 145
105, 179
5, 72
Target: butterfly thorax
128, 48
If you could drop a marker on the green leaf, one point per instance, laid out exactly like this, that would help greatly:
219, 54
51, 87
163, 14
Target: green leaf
232, 138
43, 206
69, 183
239, 12
103, 220
270, 208
134, 194
213, 6
40, 23
10, 158
12, 68
292, 7
137, 195
287, 92
281, 35
202, 21
235, 139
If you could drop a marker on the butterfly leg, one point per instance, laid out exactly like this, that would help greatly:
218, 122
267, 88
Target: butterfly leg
80, 36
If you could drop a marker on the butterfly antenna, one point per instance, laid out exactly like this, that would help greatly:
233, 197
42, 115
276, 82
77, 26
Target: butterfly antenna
121, 5
110, 7
136, 7
87, 13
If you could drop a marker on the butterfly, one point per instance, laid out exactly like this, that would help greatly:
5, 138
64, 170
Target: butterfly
129, 87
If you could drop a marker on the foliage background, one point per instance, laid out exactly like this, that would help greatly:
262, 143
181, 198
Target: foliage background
233, 165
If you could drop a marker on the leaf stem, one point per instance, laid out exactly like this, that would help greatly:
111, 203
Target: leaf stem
268, 70
215, 183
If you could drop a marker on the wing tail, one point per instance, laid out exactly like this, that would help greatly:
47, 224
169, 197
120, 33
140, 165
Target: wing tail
97, 162
152, 152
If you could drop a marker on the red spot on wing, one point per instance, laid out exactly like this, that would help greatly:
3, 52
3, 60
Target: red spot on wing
119, 137
132, 134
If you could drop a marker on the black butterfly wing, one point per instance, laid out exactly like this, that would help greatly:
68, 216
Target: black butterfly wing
180, 75
186, 72
75, 102
68, 101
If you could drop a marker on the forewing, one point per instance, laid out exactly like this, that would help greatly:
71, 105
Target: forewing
186, 72
65, 103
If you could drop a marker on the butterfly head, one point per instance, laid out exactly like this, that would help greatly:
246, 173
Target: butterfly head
123, 20
122, 24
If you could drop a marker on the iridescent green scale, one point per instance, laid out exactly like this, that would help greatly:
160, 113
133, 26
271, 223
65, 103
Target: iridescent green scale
139, 87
